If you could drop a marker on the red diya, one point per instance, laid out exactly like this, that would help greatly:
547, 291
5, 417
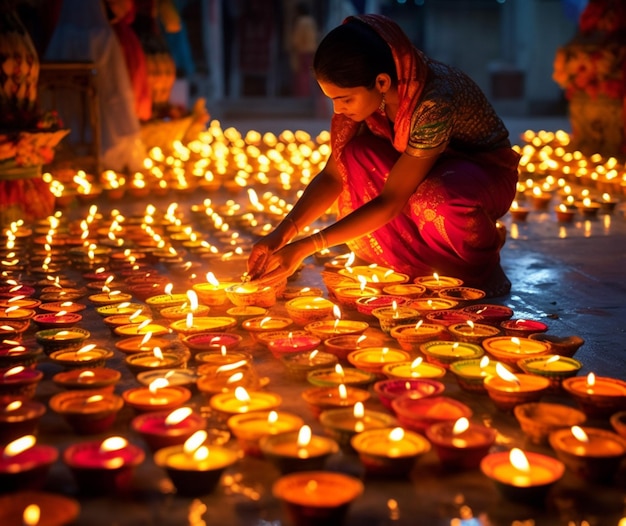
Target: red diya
167, 428
366, 305
281, 346
87, 411
87, 356
419, 413
211, 341
25, 464
103, 466
18, 418
13, 353
390, 389
19, 381
461, 444
522, 328
490, 313
61, 319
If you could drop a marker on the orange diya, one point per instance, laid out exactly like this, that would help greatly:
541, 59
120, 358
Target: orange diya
156, 359
159, 395
597, 396
507, 390
87, 411
323, 398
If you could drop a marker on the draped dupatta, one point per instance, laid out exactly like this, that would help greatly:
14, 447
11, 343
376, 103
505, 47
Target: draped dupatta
411, 68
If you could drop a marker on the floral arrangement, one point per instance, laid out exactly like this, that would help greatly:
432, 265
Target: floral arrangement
591, 69
594, 62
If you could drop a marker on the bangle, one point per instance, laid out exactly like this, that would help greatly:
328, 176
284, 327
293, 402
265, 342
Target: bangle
294, 225
319, 241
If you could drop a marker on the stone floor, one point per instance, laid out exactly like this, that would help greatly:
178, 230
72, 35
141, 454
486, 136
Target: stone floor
572, 277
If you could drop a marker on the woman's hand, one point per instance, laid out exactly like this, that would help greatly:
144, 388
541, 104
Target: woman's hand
261, 252
284, 262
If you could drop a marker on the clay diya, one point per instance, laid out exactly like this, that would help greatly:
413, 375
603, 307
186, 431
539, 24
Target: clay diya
390, 389
97, 378
167, 428
539, 419
24, 464
19, 417
87, 411
417, 412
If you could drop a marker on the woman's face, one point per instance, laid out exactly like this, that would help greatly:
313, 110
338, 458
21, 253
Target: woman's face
355, 103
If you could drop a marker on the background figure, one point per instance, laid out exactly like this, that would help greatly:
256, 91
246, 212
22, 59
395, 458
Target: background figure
175, 33
304, 37
121, 16
83, 33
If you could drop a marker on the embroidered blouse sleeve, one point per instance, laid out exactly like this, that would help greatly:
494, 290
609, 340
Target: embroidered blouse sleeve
431, 125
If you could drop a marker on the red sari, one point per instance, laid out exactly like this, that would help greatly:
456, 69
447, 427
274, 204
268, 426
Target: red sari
449, 224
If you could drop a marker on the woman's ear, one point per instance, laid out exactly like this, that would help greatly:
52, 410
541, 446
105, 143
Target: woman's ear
383, 82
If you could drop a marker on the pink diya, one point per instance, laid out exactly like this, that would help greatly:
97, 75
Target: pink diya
211, 341
103, 466
522, 328
391, 388
19, 381
419, 413
280, 346
59, 319
490, 313
25, 464
365, 305
167, 428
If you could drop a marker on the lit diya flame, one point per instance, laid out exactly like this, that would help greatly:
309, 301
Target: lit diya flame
19, 445
553, 359
242, 396
265, 320
94, 398
193, 300
394, 308
189, 320
517, 342
231, 366
484, 362
168, 289
436, 278
14, 370
579, 434
18, 349
383, 353
415, 364
359, 412
470, 324
85, 376
177, 416
343, 392
11, 309
359, 340
158, 383
143, 325
135, 314
337, 315
233, 379
312, 356
145, 339
82, 353
418, 325
13, 406
31, 515
304, 439
60, 314
460, 426
395, 436
519, 461
339, 371
158, 354
506, 375
112, 445
591, 381
363, 282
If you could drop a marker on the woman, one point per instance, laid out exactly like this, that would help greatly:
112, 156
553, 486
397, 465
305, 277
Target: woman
421, 165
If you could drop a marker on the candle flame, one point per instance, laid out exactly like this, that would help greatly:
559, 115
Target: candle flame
145, 339
86, 375
193, 300
241, 394
272, 417
580, 434
396, 434
591, 380
158, 383
114, 443
484, 362
554, 358
135, 314
211, 279
336, 312
304, 436
516, 341
14, 370
461, 425
86, 348
19, 445
505, 374
177, 416
189, 321
436, 276
168, 289
94, 398
200, 454
264, 321
343, 392
339, 370
158, 354
417, 362
195, 441
231, 366
143, 324
13, 406
31, 515
359, 410
518, 460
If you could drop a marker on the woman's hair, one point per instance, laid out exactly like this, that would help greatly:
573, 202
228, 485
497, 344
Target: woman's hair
353, 55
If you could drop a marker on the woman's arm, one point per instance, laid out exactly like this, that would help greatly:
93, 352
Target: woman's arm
404, 178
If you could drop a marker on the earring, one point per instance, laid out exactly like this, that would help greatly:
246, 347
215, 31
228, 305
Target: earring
381, 108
